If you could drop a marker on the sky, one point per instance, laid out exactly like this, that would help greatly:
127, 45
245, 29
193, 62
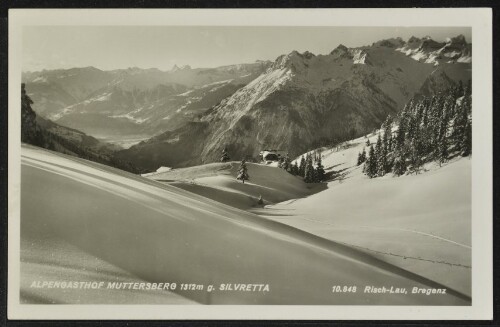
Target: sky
162, 47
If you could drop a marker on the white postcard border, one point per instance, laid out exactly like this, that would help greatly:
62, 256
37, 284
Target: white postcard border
480, 19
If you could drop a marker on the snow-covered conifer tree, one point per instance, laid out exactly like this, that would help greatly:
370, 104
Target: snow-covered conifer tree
309, 170
442, 150
302, 166
399, 166
294, 169
243, 172
360, 159
320, 171
371, 163
225, 156
286, 164
466, 144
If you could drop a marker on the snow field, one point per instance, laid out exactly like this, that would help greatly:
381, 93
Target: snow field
160, 233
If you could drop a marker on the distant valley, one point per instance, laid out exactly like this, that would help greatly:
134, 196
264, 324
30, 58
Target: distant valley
300, 101
132, 103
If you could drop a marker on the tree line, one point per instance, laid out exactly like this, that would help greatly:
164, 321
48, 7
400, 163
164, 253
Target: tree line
428, 129
310, 167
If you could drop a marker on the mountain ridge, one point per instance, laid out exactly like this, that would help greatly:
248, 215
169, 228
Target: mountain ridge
123, 98
297, 101
304, 100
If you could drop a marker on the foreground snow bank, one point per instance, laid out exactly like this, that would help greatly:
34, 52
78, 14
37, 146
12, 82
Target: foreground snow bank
163, 234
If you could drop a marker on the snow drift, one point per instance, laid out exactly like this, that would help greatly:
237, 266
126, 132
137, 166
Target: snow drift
217, 181
162, 233
421, 223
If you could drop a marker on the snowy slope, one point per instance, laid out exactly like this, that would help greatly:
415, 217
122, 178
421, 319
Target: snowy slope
217, 181
421, 223
47, 257
161, 233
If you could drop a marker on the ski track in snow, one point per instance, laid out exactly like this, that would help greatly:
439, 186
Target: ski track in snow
285, 216
385, 228
422, 233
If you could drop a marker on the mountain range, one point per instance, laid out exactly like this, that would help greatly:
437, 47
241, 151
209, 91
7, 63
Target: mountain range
299, 101
133, 101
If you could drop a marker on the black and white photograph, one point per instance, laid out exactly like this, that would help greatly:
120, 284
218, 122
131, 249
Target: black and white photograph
249, 164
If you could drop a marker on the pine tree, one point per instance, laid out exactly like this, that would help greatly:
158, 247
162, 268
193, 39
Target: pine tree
280, 162
460, 124
320, 171
309, 170
378, 145
371, 163
379, 156
360, 159
388, 135
381, 161
367, 143
399, 166
443, 150
30, 130
302, 167
286, 164
415, 158
466, 144
225, 156
400, 136
243, 172
387, 123
468, 88
294, 169
459, 90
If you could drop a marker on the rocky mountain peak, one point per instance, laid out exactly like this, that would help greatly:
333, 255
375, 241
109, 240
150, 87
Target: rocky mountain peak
429, 44
454, 49
177, 68
414, 39
357, 55
459, 38
457, 41
294, 60
308, 55
413, 43
340, 51
389, 43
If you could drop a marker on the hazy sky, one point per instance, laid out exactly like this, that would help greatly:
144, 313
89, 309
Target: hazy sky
51, 47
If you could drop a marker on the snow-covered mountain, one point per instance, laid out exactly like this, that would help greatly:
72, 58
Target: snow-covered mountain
133, 101
455, 49
304, 100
